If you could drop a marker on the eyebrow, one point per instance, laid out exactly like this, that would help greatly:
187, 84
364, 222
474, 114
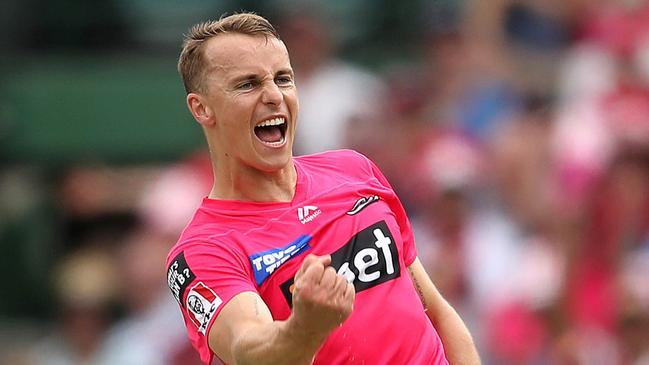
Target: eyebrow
285, 71
252, 76
245, 77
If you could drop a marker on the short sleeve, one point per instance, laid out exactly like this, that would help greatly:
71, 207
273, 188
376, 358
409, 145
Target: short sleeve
409, 248
203, 278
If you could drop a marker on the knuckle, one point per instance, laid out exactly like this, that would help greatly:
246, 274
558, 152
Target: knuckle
341, 281
308, 260
330, 271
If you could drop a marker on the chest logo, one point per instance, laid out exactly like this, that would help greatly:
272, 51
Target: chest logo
308, 213
362, 203
266, 262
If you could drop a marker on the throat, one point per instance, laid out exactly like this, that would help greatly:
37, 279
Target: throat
270, 134
254, 185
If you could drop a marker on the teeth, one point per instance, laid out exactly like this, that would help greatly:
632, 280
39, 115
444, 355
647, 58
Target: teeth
271, 122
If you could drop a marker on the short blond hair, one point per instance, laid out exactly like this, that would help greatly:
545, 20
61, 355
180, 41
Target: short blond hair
192, 63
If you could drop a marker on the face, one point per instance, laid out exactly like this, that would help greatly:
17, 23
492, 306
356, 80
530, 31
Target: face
250, 101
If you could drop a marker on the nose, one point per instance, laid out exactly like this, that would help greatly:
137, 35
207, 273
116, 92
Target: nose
271, 94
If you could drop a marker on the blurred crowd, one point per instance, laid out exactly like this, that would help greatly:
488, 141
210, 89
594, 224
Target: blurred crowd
518, 142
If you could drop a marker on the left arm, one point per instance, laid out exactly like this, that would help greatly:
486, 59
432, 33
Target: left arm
457, 341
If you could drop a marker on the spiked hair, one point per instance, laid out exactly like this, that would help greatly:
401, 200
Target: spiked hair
192, 63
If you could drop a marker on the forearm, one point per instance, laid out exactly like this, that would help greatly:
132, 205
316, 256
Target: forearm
458, 344
245, 332
274, 343
457, 341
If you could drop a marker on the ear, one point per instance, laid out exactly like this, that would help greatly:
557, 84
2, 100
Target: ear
200, 110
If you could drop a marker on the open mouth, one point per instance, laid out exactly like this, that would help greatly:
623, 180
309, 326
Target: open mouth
272, 132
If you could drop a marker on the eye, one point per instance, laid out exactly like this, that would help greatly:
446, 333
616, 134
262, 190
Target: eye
284, 80
247, 85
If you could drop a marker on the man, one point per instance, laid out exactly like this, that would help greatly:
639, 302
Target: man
295, 260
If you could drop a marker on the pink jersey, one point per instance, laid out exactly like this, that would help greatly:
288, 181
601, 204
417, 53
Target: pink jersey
342, 206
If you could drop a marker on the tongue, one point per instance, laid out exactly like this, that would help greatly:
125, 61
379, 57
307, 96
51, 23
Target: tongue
269, 134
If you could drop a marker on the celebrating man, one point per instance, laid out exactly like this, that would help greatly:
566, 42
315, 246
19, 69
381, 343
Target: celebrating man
294, 260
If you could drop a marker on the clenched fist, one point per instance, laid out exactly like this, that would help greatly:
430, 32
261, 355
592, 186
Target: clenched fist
322, 299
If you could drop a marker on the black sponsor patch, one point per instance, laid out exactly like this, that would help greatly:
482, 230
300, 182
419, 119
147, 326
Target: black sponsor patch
366, 260
179, 276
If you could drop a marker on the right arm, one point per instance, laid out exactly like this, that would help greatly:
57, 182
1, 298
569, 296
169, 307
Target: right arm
245, 333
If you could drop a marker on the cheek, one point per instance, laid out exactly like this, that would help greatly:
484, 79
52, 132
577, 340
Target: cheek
292, 101
237, 119
233, 134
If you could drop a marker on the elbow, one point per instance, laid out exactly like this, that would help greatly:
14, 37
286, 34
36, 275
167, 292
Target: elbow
440, 311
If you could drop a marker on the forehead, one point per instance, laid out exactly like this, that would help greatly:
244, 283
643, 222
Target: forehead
234, 53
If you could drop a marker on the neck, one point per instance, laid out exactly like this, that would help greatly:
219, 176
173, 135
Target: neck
249, 184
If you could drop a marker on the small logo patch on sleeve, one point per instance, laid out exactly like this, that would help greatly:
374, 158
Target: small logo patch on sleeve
202, 302
179, 276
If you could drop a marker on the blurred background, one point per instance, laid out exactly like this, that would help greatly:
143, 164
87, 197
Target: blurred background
515, 131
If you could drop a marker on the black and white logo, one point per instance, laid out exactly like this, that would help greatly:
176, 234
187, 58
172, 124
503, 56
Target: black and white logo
367, 260
362, 203
179, 276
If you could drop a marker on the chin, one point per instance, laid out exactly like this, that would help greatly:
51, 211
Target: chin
274, 163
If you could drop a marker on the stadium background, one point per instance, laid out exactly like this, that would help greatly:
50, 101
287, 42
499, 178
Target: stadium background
515, 131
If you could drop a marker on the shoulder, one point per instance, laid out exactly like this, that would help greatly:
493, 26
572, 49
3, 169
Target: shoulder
197, 260
209, 229
202, 250
203, 247
339, 165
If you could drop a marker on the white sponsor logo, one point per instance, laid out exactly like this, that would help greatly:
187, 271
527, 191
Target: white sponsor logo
308, 213
369, 257
271, 261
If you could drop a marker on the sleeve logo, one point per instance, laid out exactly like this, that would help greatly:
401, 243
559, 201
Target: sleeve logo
201, 304
179, 276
